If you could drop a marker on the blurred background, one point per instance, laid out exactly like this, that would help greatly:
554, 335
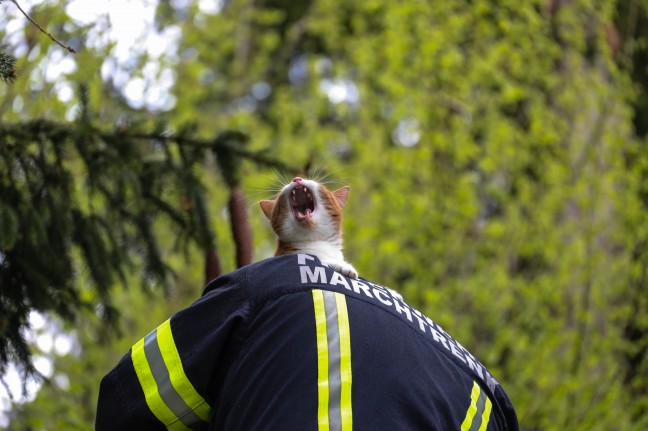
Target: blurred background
496, 153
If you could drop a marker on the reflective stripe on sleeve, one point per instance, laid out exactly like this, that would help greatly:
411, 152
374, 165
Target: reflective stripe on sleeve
168, 392
322, 362
479, 411
179, 379
333, 361
345, 363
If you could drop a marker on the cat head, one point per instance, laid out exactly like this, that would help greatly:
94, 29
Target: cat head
305, 210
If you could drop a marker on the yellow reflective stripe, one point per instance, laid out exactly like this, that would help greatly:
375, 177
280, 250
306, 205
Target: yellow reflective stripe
322, 361
177, 375
470, 415
345, 362
486, 415
151, 394
479, 410
169, 394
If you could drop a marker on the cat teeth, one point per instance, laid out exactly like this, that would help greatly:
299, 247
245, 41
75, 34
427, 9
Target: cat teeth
308, 193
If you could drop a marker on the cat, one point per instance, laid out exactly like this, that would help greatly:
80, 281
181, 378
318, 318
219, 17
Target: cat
307, 218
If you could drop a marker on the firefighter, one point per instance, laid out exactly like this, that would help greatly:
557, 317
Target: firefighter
288, 344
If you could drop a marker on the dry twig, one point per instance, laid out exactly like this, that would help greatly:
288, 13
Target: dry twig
68, 47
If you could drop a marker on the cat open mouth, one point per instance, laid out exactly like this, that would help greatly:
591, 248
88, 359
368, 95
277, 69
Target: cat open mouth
303, 203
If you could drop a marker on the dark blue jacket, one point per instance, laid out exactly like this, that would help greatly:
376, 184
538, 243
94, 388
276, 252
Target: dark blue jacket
289, 344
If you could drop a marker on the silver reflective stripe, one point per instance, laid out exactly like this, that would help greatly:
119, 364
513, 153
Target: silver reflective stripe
335, 380
334, 371
167, 392
481, 404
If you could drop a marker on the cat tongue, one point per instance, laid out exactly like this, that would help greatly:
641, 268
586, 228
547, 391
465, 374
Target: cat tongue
306, 215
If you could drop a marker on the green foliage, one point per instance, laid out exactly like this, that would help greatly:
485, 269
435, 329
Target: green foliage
511, 218
7, 67
496, 157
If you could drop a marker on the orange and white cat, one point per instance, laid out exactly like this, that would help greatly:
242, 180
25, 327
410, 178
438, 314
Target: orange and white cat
307, 218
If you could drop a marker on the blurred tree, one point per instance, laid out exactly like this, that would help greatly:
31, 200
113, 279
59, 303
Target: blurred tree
493, 157
632, 20
497, 163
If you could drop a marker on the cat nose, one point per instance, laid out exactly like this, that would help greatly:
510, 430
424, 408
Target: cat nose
297, 179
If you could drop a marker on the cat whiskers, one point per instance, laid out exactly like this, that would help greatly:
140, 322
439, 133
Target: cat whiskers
323, 176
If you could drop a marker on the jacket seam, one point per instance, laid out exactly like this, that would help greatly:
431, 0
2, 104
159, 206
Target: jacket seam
239, 349
123, 392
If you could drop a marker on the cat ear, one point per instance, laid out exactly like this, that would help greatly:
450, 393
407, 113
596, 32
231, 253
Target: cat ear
341, 195
267, 207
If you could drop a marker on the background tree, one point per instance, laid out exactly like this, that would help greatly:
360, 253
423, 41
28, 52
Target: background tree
495, 154
72, 190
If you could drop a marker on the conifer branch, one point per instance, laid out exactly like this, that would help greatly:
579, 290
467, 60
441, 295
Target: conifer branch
7, 67
132, 177
261, 157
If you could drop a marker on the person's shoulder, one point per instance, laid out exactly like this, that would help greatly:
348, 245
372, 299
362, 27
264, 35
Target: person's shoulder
277, 271
270, 271
273, 263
